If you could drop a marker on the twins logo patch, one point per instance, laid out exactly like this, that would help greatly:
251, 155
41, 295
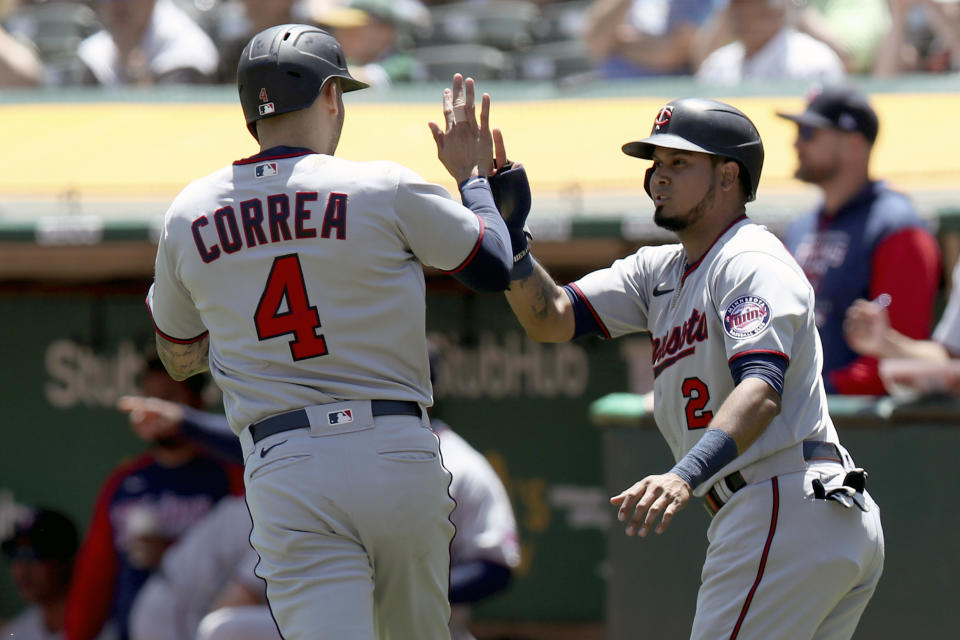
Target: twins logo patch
663, 117
266, 170
746, 317
344, 416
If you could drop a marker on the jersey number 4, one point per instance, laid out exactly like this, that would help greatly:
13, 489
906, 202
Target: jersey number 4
273, 319
697, 395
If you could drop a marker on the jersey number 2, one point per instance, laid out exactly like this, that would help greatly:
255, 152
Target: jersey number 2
697, 395
286, 283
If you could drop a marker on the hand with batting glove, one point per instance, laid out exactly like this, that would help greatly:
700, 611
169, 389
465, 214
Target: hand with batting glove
511, 192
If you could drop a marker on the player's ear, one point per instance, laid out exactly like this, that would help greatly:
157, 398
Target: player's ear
729, 175
332, 93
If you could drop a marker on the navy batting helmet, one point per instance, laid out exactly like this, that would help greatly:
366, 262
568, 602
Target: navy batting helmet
705, 126
284, 68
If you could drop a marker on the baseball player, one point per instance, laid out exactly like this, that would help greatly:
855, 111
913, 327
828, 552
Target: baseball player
211, 568
796, 547
486, 548
296, 277
868, 331
202, 571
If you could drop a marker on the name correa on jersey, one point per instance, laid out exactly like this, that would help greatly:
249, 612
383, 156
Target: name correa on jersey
670, 348
260, 216
746, 316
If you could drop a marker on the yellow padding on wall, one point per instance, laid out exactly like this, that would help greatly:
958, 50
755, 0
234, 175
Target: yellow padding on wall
149, 150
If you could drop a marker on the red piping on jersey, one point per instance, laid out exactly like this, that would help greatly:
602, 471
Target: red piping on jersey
763, 558
696, 264
258, 159
476, 248
657, 370
769, 352
593, 312
171, 338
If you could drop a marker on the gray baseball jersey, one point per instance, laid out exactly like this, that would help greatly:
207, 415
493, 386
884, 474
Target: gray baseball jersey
486, 526
302, 266
745, 296
194, 573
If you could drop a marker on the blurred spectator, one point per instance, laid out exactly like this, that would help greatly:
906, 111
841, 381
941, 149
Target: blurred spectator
924, 36
20, 65
864, 241
854, 29
143, 507
766, 46
40, 553
370, 32
147, 42
240, 19
633, 38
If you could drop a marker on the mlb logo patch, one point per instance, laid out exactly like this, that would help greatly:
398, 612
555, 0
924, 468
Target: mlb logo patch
266, 109
344, 416
266, 170
746, 317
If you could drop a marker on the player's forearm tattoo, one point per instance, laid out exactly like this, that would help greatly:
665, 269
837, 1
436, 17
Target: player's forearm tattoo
544, 296
539, 290
184, 360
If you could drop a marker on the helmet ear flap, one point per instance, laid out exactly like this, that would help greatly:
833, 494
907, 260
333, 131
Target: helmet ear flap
647, 177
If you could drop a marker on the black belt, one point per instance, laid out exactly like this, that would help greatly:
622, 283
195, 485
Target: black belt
298, 419
812, 450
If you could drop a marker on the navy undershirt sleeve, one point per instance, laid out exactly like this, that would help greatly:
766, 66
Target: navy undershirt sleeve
769, 367
477, 579
212, 432
585, 322
488, 269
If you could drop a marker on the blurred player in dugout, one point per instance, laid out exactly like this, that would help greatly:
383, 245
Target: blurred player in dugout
40, 553
143, 507
864, 240
207, 586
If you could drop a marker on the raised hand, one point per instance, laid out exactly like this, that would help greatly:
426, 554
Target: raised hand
463, 145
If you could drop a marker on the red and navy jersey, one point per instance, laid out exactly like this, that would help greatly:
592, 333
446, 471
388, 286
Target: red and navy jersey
105, 581
875, 244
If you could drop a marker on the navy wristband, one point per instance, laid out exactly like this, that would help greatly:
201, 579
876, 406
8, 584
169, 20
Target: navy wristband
715, 450
523, 267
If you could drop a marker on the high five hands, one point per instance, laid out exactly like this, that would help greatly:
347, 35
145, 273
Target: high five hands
464, 147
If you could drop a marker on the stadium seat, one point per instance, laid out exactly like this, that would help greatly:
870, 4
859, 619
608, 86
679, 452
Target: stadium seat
56, 28
64, 70
561, 20
503, 24
481, 62
552, 61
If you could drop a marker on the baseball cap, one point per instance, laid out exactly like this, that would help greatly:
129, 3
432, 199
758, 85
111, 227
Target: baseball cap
43, 534
841, 107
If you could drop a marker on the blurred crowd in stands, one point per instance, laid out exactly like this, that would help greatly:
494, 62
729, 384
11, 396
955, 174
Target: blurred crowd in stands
144, 42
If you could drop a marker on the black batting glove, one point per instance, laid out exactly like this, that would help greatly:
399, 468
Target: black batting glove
511, 193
